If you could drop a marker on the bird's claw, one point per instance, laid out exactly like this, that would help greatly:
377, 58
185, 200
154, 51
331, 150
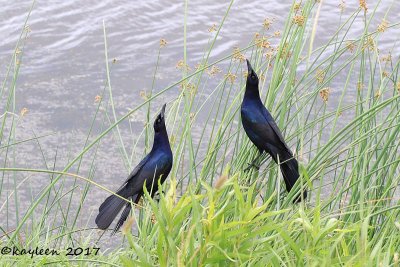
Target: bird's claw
252, 165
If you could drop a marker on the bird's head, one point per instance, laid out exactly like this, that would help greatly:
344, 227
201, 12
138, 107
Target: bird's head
252, 79
159, 123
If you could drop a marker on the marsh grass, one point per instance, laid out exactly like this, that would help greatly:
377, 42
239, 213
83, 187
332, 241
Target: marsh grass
338, 107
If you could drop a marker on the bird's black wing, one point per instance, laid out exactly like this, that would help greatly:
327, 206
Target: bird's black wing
274, 127
136, 169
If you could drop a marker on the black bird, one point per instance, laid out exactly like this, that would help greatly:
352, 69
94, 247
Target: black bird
262, 130
157, 164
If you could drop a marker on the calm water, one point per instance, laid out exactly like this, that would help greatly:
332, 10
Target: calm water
63, 68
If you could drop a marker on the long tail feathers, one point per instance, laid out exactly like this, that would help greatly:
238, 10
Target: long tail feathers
290, 172
110, 208
123, 217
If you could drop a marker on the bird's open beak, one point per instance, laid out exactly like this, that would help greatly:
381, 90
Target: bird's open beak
249, 68
163, 110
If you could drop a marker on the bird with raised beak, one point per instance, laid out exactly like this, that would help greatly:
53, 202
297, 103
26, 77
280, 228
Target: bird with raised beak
262, 130
154, 167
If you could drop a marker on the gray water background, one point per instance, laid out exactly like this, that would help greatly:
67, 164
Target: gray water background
63, 69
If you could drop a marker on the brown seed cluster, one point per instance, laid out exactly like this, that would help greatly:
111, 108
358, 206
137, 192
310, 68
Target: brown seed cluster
230, 77
350, 46
369, 43
269, 55
267, 23
221, 181
191, 116
383, 25
342, 6
285, 53
385, 74
262, 42
163, 43
213, 28
97, 99
181, 65
23, 112
190, 87
299, 20
143, 95
297, 6
387, 58
213, 71
363, 5
320, 75
324, 94
237, 55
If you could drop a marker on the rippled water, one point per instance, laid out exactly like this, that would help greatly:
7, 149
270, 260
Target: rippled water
63, 66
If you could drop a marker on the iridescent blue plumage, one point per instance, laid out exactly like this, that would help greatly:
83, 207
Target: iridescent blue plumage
262, 130
156, 165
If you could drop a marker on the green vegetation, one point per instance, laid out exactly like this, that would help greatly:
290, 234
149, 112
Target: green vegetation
214, 213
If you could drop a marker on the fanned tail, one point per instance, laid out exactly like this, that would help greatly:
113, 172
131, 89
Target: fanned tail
110, 208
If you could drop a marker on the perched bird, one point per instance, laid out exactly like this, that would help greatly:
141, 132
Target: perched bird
262, 130
156, 165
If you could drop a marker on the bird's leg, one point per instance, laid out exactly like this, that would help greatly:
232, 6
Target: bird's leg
253, 163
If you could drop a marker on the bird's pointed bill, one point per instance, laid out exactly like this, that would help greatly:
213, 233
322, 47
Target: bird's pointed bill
163, 110
249, 68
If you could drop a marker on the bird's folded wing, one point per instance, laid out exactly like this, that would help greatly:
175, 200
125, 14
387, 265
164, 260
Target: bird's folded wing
274, 127
136, 170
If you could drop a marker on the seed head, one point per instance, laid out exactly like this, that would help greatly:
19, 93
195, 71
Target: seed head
297, 6
153, 218
324, 93
383, 26
221, 181
213, 28
24, 111
237, 55
181, 65
97, 99
387, 58
385, 74
267, 23
351, 46
320, 75
342, 6
163, 43
363, 5
369, 43
299, 20
143, 94
214, 70
231, 77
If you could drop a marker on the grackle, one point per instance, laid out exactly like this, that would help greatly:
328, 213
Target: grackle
262, 130
157, 164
